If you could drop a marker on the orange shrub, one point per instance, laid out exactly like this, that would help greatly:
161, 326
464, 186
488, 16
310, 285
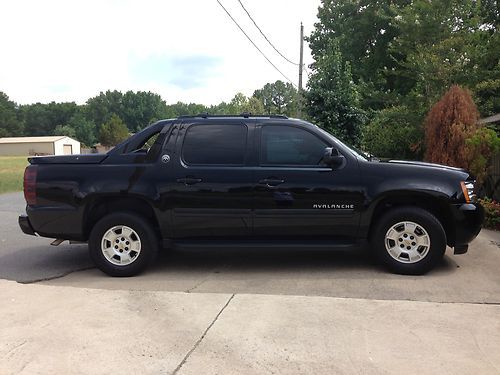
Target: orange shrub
451, 121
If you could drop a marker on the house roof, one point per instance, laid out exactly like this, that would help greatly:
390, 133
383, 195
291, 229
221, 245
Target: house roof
32, 139
488, 120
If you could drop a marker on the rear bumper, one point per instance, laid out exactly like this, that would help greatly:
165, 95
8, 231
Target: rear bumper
468, 221
56, 222
25, 225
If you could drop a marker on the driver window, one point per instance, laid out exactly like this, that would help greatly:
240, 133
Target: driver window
286, 145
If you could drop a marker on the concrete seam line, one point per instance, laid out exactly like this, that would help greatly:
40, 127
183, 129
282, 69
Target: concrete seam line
198, 342
204, 279
50, 278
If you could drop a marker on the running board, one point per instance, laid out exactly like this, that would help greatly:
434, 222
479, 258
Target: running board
341, 245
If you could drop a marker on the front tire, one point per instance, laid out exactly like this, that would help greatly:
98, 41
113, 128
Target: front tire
122, 244
409, 241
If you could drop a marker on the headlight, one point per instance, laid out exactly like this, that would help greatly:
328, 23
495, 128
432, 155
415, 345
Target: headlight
468, 190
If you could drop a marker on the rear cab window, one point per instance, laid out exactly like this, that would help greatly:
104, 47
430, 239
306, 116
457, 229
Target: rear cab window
215, 144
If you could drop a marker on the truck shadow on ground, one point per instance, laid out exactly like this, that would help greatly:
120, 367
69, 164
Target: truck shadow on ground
277, 260
41, 263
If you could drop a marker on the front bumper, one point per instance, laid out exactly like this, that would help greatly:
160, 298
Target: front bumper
468, 219
25, 225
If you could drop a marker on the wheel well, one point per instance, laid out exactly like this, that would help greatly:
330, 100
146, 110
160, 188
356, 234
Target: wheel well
106, 205
429, 203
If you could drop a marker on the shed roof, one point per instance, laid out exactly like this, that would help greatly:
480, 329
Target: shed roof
488, 120
32, 139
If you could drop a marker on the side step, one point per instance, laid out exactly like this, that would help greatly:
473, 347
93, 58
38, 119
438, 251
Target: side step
340, 245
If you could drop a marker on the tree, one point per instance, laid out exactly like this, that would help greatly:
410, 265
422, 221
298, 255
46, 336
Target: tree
99, 109
487, 95
85, 130
277, 98
441, 43
66, 130
406, 52
363, 31
142, 108
392, 133
184, 109
332, 99
42, 119
113, 131
482, 146
10, 125
136, 109
239, 104
451, 121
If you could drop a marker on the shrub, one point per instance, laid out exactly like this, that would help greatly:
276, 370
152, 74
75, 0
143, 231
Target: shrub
448, 124
394, 133
481, 147
492, 213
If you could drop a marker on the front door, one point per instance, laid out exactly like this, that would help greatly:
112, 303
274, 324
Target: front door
295, 194
213, 185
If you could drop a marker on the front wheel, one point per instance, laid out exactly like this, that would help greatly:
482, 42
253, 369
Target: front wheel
122, 244
409, 240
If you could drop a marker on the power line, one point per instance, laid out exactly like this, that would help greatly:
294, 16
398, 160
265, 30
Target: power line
255, 45
264, 35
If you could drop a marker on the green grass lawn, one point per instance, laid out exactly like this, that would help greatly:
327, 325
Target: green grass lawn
11, 173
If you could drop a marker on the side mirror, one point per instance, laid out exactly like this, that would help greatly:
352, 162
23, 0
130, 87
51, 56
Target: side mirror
333, 158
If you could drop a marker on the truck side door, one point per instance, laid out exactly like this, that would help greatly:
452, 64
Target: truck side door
213, 184
295, 194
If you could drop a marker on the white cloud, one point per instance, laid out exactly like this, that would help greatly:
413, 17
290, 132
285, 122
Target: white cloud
69, 51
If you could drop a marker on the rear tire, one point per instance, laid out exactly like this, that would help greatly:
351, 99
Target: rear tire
123, 244
409, 240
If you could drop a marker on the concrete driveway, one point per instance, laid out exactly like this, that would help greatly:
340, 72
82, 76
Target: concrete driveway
252, 311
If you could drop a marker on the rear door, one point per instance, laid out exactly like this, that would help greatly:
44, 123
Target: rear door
298, 196
213, 184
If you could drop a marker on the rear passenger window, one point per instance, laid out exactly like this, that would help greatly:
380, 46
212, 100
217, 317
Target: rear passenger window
287, 145
215, 144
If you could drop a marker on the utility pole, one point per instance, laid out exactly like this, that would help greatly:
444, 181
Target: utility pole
301, 64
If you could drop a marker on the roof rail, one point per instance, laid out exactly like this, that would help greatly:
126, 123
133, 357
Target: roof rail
244, 115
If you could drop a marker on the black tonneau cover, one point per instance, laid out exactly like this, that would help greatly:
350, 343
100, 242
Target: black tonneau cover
68, 159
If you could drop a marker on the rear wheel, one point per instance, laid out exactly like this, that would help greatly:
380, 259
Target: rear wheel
122, 244
409, 240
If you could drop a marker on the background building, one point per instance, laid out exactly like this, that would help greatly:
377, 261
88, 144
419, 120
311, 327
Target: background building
54, 145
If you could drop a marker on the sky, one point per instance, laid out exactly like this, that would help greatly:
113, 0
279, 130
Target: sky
184, 50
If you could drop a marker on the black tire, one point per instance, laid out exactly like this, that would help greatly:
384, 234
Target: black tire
425, 220
144, 231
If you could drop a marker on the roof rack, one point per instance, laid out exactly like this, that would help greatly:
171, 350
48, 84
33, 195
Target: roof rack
244, 115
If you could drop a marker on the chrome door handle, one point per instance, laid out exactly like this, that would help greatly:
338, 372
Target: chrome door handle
188, 180
271, 182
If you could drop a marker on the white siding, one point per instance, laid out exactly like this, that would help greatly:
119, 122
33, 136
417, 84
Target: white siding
22, 149
59, 145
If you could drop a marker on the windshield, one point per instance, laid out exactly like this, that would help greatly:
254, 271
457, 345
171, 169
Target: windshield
354, 150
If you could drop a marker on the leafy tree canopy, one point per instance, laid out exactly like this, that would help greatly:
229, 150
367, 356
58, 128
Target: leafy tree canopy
10, 125
332, 98
113, 131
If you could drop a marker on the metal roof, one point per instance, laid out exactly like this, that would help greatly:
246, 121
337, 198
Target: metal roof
488, 120
50, 139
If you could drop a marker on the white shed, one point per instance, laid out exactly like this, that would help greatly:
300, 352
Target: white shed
54, 145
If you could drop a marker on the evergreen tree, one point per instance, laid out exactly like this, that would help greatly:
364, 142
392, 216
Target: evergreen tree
113, 132
332, 99
451, 121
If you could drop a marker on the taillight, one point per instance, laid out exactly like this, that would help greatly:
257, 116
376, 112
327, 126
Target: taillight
30, 184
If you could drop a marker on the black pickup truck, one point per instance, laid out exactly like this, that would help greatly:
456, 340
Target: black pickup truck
248, 181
